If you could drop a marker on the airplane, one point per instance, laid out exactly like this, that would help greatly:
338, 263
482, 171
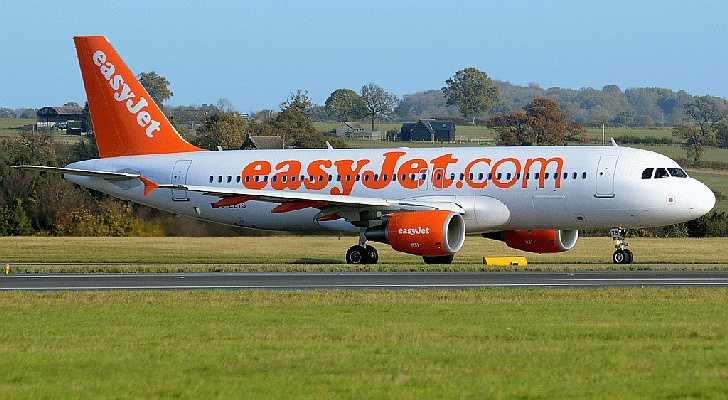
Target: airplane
418, 201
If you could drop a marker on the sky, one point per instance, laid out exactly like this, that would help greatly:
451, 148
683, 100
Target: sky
255, 53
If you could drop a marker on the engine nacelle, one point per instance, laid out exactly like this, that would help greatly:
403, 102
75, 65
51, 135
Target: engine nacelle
537, 241
423, 233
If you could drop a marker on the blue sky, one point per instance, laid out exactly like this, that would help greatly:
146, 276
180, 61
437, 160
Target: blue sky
257, 52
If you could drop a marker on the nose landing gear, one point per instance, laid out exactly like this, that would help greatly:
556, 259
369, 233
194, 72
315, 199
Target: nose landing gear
622, 253
362, 253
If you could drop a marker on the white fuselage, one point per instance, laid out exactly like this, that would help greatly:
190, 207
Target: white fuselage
598, 186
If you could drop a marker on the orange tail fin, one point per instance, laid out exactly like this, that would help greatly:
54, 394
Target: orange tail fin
126, 121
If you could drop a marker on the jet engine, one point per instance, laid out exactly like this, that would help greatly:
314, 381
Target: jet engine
423, 233
537, 241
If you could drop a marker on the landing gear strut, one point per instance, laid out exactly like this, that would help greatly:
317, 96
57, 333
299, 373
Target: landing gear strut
362, 253
622, 254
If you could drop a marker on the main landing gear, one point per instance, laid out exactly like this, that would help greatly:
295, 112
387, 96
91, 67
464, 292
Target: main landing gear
362, 253
622, 254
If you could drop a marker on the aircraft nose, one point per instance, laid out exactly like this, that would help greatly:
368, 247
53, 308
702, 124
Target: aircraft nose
702, 200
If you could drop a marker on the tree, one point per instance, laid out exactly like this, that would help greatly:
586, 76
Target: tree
378, 103
542, 123
344, 105
706, 113
223, 104
721, 134
157, 86
471, 91
694, 141
223, 129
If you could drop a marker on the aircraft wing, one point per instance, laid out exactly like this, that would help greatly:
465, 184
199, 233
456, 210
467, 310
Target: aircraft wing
291, 201
112, 176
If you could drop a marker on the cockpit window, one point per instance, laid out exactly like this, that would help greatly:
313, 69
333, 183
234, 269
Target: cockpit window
647, 173
677, 172
661, 173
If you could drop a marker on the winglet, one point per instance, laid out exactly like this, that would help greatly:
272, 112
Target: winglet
149, 185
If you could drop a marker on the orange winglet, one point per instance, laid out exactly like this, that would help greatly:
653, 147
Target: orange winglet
149, 185
296, 205
231, 201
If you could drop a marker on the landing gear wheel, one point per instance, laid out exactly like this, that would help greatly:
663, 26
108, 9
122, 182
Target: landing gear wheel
628, 253
371, 255
439, 259
356, 255
622, 254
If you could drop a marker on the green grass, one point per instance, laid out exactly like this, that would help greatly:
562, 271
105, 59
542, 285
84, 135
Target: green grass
326, 253
612, 343
7, 131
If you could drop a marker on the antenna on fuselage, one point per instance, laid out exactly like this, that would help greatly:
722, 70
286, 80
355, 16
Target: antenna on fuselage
329, 146
613, 142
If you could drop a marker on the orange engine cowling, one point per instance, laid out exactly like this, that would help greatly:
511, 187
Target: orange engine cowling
537, 241
423, 233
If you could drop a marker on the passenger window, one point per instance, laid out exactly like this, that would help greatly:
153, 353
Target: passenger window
508, 176
212, 178
647, 173
283, 178
661, 173
583, 175
219, 179
265, 178
480, 176
462, 176
566, 175
384, 177
376, 177
424, 176
490, 176
257, 178
677, 172
366, 178
499, 175
237, 179
470, 176
247, 179
518, 175
546, 176
573, 175
275, 178
229, 179
535, 176
357, 177
338, 178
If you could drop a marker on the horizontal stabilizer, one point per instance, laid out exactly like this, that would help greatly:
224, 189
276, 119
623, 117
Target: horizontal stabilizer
108, 175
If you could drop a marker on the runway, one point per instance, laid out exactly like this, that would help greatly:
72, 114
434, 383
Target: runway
356, 280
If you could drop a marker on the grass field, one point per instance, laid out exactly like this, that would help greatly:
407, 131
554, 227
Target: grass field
7, 125
326, 253
611, 343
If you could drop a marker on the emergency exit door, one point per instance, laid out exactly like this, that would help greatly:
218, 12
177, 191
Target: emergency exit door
605, 176
179, 177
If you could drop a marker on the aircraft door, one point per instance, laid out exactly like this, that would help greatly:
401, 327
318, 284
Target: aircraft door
179, 177
605, 176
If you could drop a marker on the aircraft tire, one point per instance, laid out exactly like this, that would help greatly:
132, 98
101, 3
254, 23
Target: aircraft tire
619, 257
356, 255
371, 255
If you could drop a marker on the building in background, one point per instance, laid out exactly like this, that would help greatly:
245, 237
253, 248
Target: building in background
69, 117
262, 143
427, 130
